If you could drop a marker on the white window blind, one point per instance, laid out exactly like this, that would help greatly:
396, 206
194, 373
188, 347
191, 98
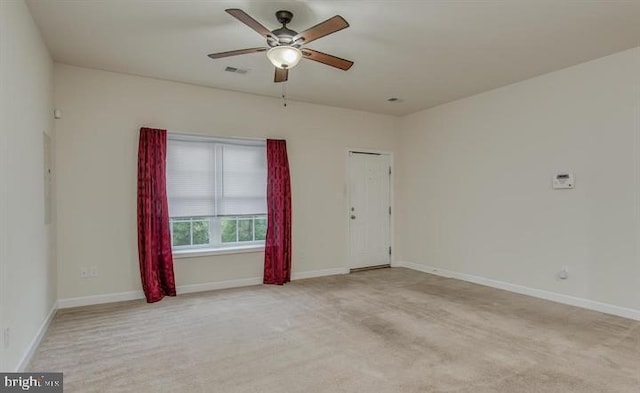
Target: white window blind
215, 177
243, 184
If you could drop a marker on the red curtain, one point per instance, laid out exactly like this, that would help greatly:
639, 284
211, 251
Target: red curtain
154, 238
277, 253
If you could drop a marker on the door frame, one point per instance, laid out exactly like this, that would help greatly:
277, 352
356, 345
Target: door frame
347, 207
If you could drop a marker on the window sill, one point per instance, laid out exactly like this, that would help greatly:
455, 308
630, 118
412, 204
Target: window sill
205, 252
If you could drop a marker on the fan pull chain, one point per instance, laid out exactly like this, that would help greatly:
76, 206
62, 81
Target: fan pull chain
284, 94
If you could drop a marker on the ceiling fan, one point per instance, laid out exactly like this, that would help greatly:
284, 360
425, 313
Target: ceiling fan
285, 46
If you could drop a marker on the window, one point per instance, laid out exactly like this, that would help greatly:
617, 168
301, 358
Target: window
216, 190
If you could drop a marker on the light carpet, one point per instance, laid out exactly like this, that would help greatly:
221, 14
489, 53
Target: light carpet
389, 330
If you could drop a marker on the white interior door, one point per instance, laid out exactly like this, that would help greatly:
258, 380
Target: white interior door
370, 209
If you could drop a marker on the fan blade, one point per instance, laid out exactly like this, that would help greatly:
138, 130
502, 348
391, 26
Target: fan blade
324, 58
281, 75
236, 52
249, 21
322, 29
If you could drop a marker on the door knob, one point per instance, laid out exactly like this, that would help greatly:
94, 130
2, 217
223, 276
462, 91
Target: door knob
353, 217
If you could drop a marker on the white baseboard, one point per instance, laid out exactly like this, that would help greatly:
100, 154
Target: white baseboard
319, 273
190, 288
35, 343
538, 293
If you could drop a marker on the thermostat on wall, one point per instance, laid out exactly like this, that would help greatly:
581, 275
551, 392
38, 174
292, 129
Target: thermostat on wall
563, 180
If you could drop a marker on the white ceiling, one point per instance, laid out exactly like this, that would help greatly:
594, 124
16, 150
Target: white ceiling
424, 52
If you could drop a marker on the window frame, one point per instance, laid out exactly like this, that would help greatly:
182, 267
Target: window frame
191, 220
216, 246
205, 252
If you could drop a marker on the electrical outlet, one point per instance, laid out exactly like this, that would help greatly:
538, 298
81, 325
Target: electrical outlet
93, 271
6, 337
84, 272
563, 274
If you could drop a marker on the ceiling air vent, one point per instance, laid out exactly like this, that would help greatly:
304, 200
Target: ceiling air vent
235, 70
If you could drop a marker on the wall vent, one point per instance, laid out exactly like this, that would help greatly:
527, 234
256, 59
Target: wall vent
235, 70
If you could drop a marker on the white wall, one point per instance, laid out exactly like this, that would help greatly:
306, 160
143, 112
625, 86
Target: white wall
28, 282
96, 154
473, 196
475, 191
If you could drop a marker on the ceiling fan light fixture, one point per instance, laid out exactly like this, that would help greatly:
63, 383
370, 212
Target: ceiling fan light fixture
284, 56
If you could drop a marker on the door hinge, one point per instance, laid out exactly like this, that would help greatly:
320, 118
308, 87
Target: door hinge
389, 250
389, 170
389, 210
